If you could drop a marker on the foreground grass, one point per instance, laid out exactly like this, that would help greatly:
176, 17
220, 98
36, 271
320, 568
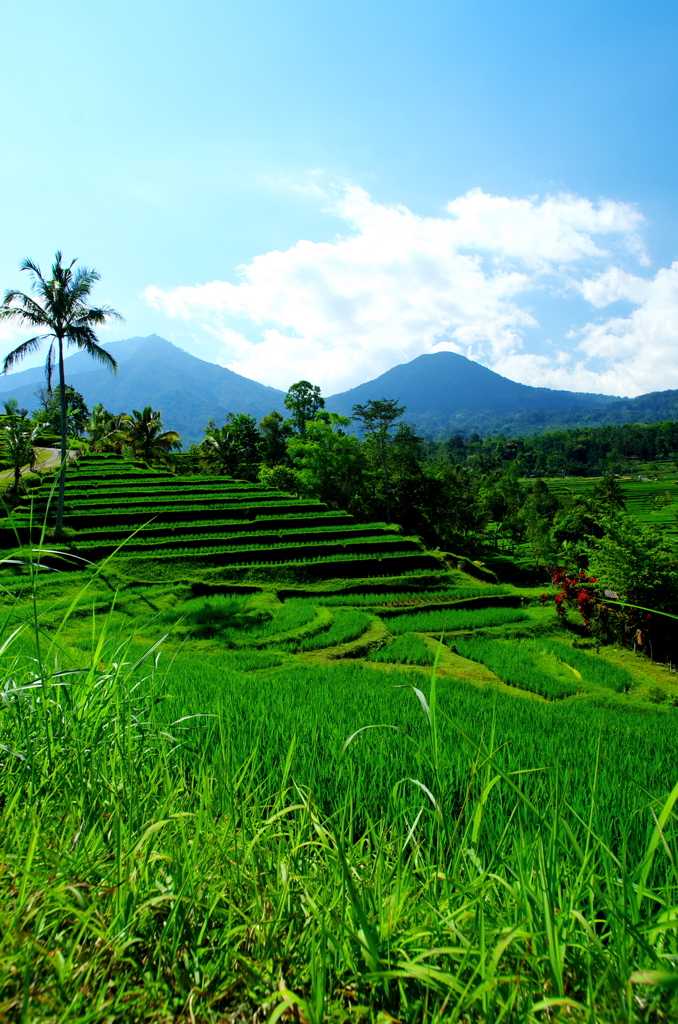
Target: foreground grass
196, 842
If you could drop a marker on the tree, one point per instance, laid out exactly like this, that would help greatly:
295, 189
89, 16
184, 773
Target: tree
377, 418
608, 491
77, 413
275, 432
11, 407
18, 439
304, 401
104, 429
235, 448
144, 432
58, 309
328, 461
639, 565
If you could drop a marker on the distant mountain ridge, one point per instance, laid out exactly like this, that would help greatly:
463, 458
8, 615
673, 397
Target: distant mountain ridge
151, 371
444, 393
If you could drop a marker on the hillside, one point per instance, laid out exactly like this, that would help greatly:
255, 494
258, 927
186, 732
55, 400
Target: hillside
152, 371
258, 723
213, 529
443, 392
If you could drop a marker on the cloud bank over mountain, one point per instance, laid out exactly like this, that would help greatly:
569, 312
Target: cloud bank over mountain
397, 285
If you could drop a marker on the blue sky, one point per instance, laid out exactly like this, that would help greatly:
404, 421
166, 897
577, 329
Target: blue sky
390, 178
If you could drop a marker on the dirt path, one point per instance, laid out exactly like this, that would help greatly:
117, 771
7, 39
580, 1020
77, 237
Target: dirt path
48, 458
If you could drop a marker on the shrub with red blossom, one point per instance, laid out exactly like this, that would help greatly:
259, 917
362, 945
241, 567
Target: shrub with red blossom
574, 590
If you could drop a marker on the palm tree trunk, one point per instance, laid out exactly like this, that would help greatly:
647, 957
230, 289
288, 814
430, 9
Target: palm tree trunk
384, 466
62, 470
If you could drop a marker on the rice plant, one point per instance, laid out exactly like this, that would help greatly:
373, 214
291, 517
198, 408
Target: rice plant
408, 649
347, 624
403, 598
193, 833
449, 620
514, 665
591, 667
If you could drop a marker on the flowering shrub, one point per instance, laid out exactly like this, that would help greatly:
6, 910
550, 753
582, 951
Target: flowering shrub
575, 589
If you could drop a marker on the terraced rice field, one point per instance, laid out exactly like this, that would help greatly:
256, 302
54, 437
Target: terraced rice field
652, 502
338, 787
214, 528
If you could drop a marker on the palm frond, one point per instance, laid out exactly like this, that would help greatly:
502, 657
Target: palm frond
27, 310
97, 315
34, 270
17, 354
82, 282
83, 338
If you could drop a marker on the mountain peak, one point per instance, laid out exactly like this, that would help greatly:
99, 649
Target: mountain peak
444, 393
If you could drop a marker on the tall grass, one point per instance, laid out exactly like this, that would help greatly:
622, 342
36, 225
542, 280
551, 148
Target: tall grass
408, 649
514, 663
403, 598
345, 625
448, 620
196, 843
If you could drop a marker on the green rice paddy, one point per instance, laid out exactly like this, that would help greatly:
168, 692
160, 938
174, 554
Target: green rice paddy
329, 798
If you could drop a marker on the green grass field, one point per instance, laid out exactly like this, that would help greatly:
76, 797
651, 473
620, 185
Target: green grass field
337, 800
653, 501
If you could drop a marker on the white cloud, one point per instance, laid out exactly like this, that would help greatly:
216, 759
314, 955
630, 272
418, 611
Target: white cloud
556, 231
612, 285
399, 284
630, 355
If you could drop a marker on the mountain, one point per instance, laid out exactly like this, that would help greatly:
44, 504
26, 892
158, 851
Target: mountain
151, 371
443, 392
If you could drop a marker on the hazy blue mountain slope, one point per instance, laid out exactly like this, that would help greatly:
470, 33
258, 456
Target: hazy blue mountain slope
152, 371
444, 392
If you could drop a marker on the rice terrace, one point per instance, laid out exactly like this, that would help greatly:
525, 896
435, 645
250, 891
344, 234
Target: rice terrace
267, 760
339, 513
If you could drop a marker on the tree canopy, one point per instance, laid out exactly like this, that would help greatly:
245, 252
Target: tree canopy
58, 309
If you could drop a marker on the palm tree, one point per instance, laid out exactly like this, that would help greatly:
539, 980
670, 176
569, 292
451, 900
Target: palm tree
11, 407
104, 429
17, 439
146, 436
609, 491
221, 449
59, 310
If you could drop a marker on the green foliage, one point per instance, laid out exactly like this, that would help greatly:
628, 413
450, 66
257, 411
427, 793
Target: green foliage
105, 431
208, 806
234, 448
304, 401
275, 432
515, 665
541, 450
328, 461
638, 565
49, 416
143, 431
408, 649
376, 418
450, 620
17, 445
608, 491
